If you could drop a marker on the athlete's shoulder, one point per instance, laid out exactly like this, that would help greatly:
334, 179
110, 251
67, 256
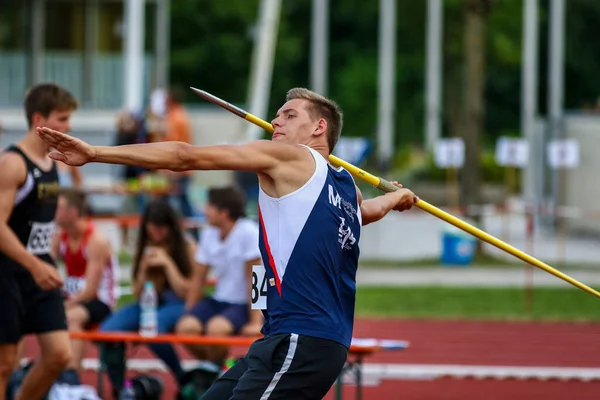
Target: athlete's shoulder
99, 244
13, 167
358, 195
99, 238
276, 149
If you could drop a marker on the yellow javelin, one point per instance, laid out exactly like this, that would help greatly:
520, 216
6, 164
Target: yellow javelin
387, 186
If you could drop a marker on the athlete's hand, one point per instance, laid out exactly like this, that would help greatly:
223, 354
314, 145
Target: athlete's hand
69, 150
405, 198
46, 276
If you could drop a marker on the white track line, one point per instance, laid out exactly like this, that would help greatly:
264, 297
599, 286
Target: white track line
372, 373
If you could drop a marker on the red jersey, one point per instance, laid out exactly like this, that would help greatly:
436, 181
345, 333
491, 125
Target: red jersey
76, 264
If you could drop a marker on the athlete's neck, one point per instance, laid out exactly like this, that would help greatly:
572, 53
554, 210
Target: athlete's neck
34, 145
319, 147
76, 231
226, 227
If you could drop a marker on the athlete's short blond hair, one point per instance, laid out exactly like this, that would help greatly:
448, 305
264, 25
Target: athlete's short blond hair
321, 107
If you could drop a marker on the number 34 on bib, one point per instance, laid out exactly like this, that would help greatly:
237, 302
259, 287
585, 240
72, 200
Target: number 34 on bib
259, 288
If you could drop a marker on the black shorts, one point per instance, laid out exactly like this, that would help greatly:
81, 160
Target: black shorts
97, 310
26, 308
285, 366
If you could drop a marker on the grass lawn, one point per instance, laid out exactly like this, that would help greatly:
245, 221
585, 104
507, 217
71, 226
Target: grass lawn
549, 304
482, 261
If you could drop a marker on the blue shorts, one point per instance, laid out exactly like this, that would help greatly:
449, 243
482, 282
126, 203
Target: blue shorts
237, 314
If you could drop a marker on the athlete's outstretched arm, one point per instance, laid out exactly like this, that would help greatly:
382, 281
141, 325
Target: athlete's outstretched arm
372, 210
259, 156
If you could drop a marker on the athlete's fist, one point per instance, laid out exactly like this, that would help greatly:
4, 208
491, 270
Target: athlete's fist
46, 276
405, 198
69, 150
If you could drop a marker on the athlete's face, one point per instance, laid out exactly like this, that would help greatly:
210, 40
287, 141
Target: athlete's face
66, 215
59, 120
294, 124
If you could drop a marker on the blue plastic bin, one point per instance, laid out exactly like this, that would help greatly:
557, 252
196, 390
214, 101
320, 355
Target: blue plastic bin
458, 247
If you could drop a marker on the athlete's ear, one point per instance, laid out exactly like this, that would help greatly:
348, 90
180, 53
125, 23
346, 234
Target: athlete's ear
321, 127
36, 119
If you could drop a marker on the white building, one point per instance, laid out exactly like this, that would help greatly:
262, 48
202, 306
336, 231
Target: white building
82, 45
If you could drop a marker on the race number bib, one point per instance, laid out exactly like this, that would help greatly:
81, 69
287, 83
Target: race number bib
259, 288
40, 238
73, 285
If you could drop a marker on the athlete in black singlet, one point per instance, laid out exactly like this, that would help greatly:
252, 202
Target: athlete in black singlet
30, 296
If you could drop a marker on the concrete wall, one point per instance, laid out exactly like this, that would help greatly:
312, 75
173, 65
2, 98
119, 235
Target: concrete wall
582, 184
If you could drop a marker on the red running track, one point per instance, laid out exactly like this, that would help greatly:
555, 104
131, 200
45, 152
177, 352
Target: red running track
464, 343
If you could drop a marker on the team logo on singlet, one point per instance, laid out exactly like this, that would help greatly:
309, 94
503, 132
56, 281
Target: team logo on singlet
345, 236
40, 237
48, 191
338, 201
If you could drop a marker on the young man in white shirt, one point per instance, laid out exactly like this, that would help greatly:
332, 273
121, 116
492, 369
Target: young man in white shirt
228, 247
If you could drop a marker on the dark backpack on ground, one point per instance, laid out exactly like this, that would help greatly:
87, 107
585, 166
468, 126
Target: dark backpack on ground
147, 387
194, 383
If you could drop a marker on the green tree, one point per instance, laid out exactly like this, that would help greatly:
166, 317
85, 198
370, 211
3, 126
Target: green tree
212, 44
473, 106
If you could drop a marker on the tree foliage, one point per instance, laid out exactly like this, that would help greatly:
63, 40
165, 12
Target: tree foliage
211, 48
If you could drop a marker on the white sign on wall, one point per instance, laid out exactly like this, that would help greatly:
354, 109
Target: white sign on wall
449, 153
563, 153
353, 149
512, 152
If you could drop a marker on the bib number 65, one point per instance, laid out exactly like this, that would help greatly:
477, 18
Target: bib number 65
259, 288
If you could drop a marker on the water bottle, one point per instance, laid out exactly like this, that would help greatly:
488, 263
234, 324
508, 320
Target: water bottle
128, 392
148, 305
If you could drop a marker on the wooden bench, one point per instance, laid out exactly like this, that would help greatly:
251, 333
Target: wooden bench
359, 349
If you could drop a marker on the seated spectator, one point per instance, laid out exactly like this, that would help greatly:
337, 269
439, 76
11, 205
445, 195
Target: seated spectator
165, 257
228, 246
90, 281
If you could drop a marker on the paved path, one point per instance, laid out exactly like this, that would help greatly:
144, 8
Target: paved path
470, 276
